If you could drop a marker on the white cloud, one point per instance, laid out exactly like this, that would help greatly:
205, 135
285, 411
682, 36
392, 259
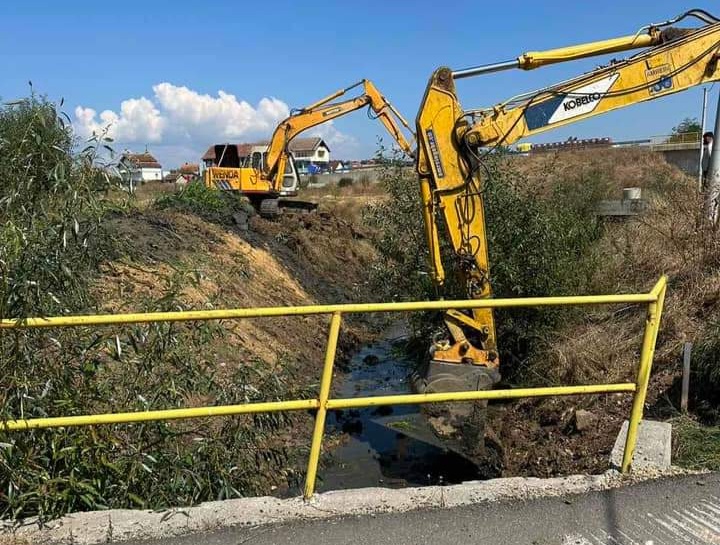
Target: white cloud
335, 139
138, 120
192, 114
180, 121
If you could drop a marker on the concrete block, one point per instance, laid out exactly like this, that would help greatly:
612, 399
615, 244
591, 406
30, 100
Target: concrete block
653, 449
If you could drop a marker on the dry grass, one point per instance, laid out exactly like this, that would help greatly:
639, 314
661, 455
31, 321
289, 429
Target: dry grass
671, 239
618, 168
14, 540
345, 202
357, 189
148, 192
595, 351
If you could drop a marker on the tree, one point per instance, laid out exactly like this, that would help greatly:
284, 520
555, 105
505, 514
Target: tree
688, 129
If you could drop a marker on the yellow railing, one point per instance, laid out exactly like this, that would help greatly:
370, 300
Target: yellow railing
654, 300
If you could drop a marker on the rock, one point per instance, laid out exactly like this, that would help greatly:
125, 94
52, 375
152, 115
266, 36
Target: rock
441, 425
371, 359
241, 220
584, 420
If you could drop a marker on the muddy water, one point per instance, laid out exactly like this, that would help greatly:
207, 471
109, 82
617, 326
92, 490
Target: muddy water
371, 453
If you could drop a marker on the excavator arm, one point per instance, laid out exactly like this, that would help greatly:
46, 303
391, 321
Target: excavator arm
265, 176
679, 59
324, 110
452, 142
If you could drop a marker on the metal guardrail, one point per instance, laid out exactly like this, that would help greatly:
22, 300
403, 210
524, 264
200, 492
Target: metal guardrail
662, 142
680, 138
671, 142
654, 301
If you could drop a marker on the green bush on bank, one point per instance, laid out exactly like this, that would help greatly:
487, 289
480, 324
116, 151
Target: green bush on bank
210, 204
705, 375
53, 240
538, 244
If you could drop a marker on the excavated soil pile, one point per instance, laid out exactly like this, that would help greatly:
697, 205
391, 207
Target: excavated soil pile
299, 260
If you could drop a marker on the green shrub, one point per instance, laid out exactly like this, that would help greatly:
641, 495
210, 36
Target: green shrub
51, 234
705, 377
52, 242
538, 245
696, 446
345, 182
398, 233
210, 204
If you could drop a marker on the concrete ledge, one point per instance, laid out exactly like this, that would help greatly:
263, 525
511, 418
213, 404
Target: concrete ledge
119, 525
653, 449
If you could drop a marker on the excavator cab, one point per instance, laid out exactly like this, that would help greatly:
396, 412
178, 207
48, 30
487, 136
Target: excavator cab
290, 179
228, 156
239, 168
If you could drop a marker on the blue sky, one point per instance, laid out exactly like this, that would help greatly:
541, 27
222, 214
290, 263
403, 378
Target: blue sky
158, 67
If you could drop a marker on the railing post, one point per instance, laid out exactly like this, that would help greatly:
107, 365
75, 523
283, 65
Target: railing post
325, 382
652, 326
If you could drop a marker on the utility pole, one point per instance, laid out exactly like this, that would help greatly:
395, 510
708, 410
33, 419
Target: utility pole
713, 175
702, 132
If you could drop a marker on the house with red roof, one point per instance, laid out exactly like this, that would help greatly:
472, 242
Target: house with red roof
138, 168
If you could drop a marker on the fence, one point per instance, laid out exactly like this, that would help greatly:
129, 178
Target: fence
680, 141
358, 176
654, 300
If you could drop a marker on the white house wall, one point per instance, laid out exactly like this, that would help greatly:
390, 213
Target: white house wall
315, 157
150, 174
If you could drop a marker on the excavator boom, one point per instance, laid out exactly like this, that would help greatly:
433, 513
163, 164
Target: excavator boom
679, 60
325, 110
273, 173
452, 143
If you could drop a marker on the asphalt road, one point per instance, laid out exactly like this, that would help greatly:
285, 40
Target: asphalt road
683, 510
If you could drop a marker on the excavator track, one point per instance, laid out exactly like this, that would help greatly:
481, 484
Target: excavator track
297, 207
269, 208
274, 208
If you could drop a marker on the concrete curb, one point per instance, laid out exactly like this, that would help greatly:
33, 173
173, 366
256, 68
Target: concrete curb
120, 525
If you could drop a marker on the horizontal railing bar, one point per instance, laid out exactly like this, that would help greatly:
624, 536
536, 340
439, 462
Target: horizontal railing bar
267, 312
305, 404
415, 399
166, 414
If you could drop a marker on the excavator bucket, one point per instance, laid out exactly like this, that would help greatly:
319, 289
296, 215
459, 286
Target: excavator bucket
456, 363
443, 377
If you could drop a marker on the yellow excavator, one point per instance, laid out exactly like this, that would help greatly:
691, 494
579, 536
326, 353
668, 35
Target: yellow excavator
453, 142
266, 174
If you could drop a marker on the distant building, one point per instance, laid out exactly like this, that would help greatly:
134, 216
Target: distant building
191, 170
177, 177
339, 166
188, 172
184, 179
138, 168
311, 154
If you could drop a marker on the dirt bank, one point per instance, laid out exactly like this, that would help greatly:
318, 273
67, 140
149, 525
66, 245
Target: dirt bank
601, 345
326, 257
299, 260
